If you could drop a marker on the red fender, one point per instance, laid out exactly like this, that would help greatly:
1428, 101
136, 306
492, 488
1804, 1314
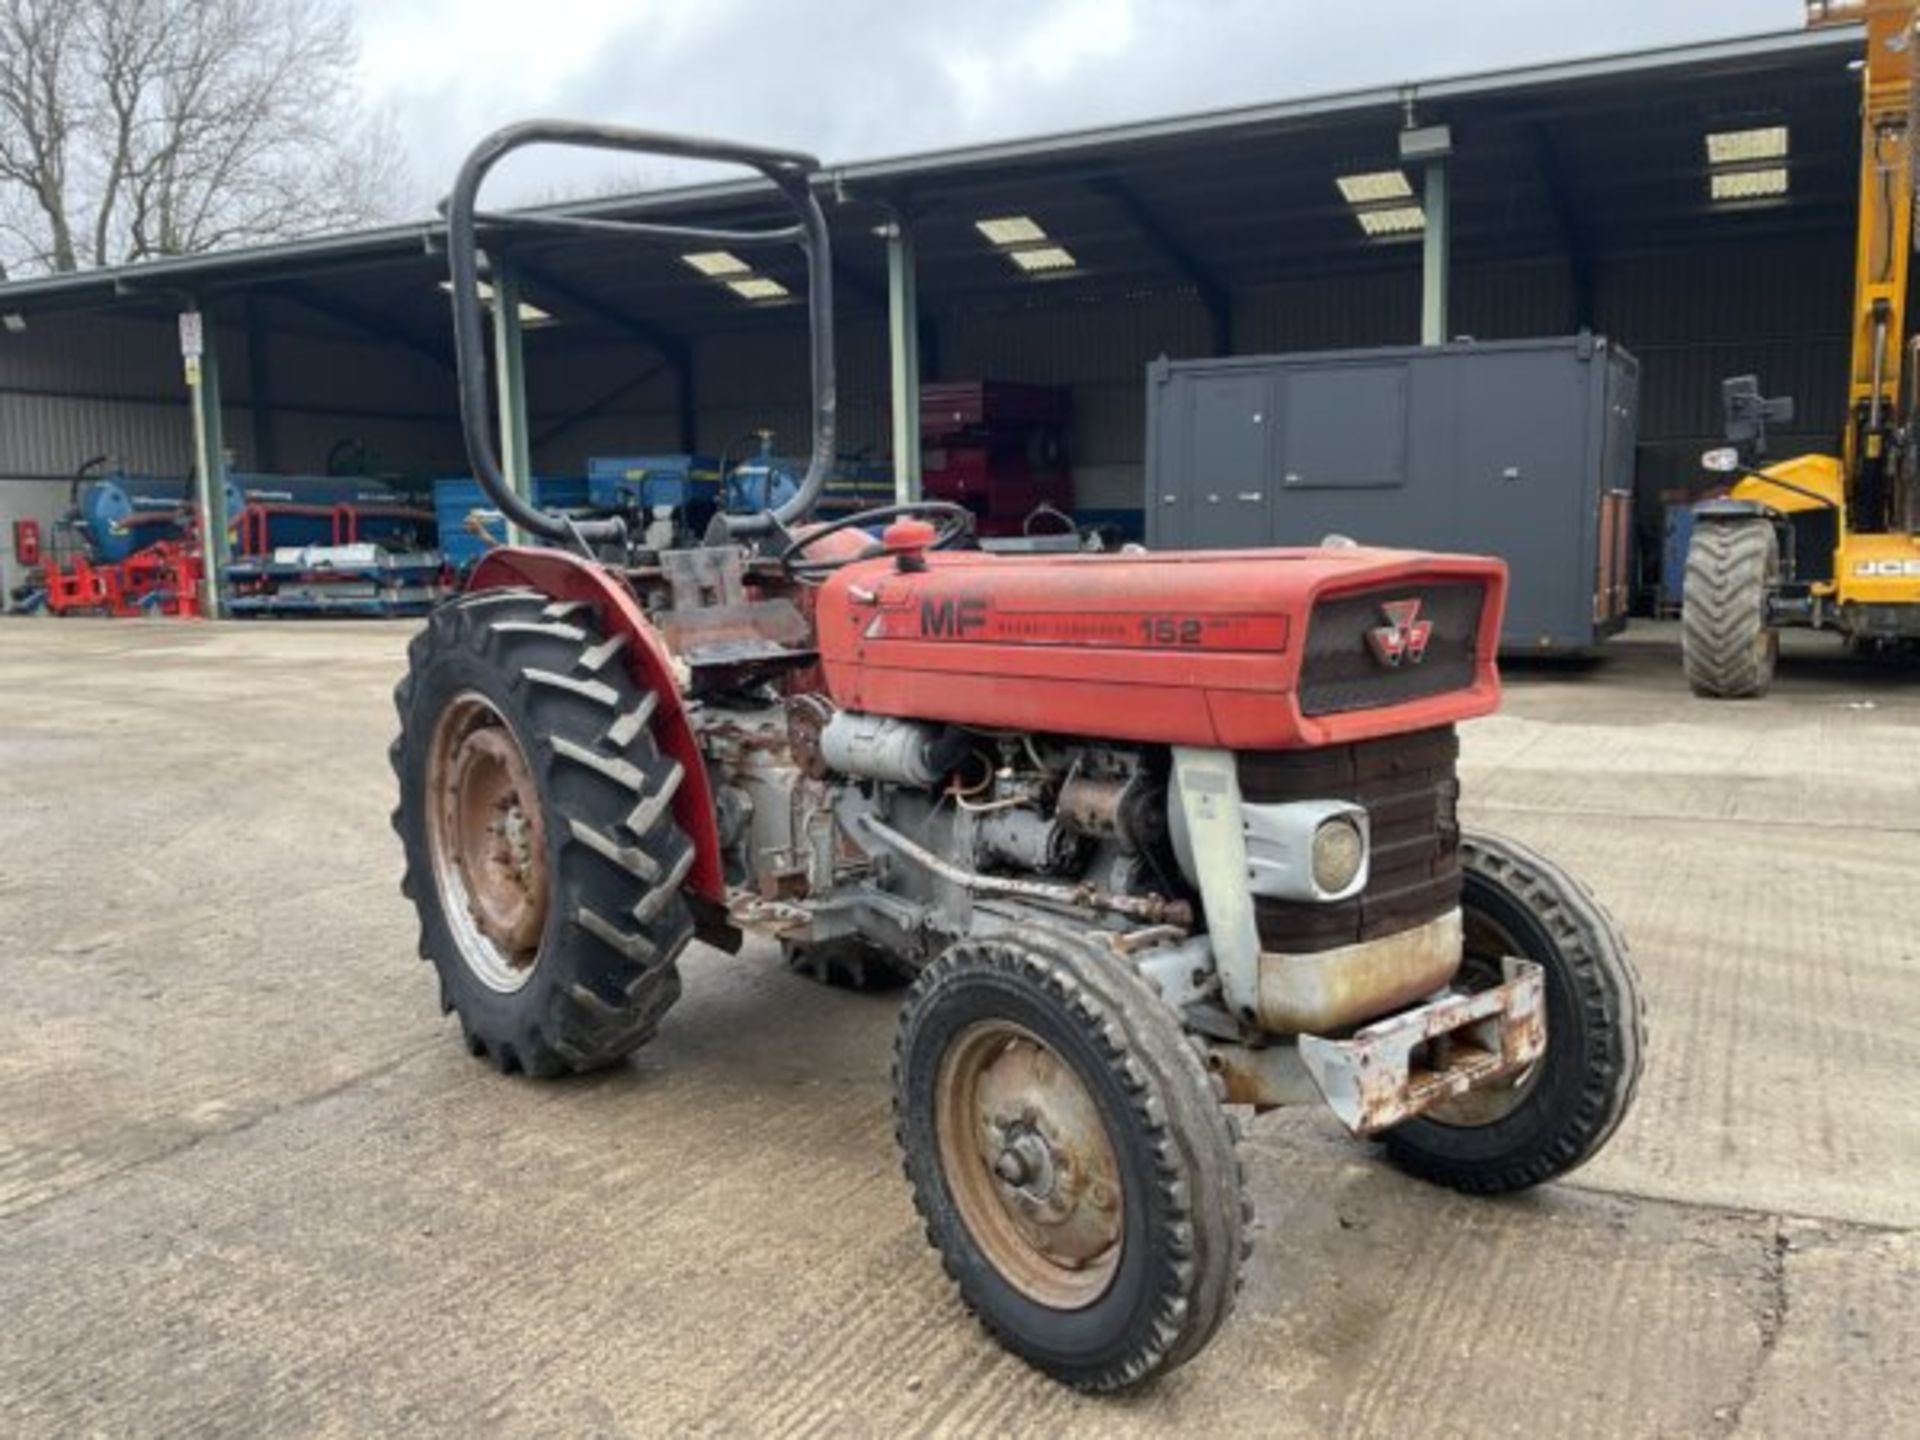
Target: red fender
561, 576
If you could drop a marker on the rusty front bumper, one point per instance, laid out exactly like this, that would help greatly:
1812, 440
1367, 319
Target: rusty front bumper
1403, 1066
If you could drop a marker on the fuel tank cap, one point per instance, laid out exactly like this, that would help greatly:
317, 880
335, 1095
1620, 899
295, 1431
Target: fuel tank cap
908, 541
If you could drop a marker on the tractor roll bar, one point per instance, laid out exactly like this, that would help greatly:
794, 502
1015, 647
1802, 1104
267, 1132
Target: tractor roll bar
788, 170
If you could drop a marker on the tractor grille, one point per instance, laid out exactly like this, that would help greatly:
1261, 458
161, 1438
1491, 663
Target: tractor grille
1407, 784
1342, 672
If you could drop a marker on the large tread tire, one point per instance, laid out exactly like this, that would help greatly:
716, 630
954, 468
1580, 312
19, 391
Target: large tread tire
1728, 648
1582, 1087
616, 921
1186, 1215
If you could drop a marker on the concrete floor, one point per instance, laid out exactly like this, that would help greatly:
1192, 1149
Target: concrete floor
251, 1184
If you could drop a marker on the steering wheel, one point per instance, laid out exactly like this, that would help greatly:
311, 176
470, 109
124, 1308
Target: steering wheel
953, 523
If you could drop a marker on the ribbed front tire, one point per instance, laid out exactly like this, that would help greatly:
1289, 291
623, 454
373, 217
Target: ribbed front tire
1070, 1157
542, 855
1562, 1109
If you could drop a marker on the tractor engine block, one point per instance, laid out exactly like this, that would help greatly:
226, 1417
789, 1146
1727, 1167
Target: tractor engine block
802, 790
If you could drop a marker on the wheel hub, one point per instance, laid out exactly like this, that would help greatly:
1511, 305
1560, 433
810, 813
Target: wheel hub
1030, 1165
489, 843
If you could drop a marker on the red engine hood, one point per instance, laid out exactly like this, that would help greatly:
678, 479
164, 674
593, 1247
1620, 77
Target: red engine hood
1245, 649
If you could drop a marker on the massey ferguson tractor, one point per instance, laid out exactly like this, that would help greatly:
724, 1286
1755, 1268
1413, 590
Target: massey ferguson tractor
1152, 836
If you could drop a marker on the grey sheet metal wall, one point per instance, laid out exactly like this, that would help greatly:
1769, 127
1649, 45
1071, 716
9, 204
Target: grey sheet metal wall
76, 386
71, 386
1777, 307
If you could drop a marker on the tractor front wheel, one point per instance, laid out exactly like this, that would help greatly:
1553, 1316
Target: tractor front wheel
541, 849
1559, 1111
1069, 1156
1727, 645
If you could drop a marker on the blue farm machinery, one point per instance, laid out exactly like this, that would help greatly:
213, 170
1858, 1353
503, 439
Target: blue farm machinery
669, 500
331, 545
130, 544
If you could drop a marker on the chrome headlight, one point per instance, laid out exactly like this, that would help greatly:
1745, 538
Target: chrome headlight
1339, 851
1312, 850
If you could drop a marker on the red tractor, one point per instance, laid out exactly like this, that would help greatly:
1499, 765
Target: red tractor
1151, 835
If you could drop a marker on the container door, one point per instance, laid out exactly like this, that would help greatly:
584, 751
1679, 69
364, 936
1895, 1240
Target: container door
1522, 494
1225, 492
1345, 453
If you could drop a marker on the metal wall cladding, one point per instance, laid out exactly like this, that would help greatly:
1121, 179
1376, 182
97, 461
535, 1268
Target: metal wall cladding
1103, 340
46, 436
42, 501
102, 355
735, 365
349, 376
1777, 308
1337, 312
1098, 348
72, 387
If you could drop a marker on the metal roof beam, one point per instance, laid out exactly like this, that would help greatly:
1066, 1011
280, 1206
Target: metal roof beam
1204, 279
353, 317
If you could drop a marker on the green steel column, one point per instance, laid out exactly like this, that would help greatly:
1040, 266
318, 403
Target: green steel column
510, 373
202, 358
903, 349
1435, 259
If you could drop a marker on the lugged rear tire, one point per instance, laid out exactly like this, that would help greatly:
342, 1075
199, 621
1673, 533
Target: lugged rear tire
1727, 645
522, 693
1134, 1159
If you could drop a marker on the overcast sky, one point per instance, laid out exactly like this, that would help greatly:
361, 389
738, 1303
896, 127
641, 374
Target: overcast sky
852, 79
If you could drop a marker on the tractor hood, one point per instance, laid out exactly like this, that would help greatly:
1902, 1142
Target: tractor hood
1242, 649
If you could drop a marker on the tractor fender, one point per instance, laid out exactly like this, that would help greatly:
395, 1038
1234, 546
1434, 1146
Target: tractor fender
1710, 512
561, 576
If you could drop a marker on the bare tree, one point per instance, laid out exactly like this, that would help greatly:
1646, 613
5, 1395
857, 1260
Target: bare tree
131, 129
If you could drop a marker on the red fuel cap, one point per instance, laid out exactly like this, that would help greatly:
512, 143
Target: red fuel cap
908, 541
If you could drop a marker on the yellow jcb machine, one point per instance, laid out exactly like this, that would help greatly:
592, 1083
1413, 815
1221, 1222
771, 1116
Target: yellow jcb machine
1832, 543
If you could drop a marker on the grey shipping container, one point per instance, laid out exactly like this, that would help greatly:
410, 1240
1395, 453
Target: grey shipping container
1522, 449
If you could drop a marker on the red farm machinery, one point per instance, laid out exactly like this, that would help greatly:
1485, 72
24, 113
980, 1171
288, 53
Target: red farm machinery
1149, 837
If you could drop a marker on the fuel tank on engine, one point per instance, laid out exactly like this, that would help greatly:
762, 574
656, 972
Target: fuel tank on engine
1249, 649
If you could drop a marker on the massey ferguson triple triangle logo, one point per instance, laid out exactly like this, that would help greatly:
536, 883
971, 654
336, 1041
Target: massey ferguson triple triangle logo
1403, 639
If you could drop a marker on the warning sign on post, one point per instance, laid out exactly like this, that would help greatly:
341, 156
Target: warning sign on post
193, 343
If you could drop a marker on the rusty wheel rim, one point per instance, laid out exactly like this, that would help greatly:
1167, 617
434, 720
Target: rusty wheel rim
488, 842
1485, 1104
1029, 1164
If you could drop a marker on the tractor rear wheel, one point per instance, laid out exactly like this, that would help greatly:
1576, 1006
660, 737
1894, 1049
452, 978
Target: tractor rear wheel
541, 849
1728, 647
1070, 1157
1558, 1112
